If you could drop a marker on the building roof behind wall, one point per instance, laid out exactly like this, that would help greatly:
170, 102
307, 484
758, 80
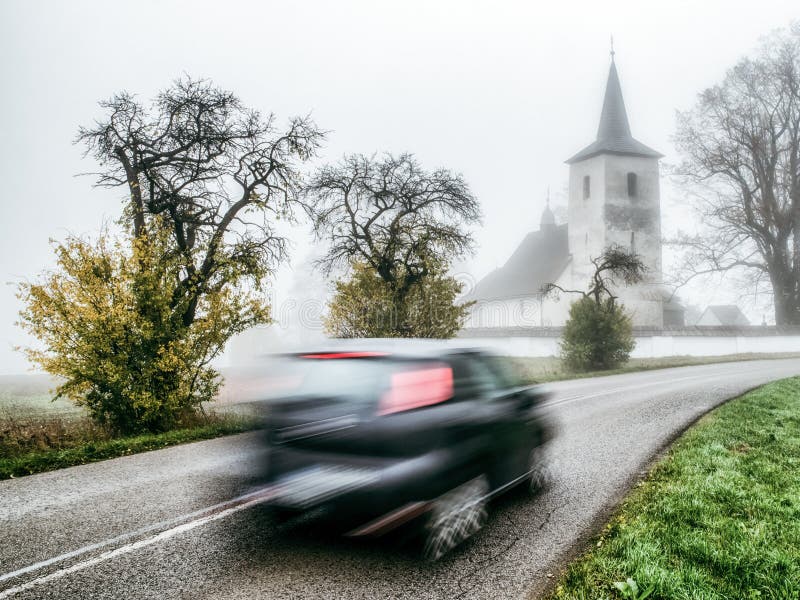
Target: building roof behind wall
540, 259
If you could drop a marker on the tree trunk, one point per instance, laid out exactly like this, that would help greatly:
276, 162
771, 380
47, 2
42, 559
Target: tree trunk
136, 191
787, 303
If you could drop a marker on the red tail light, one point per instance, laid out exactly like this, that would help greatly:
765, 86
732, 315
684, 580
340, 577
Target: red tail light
415, 389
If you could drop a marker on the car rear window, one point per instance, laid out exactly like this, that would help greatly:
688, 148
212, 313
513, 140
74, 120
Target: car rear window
392, 385
355, 379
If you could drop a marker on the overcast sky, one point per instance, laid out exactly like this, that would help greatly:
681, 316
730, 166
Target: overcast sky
502, 92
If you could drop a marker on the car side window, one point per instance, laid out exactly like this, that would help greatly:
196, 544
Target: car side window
504, 371
485, 379
462, 378
472, 378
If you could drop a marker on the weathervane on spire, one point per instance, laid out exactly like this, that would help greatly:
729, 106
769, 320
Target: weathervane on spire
612, 48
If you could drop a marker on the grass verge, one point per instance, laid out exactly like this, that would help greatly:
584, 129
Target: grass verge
718, 517
550, 368
81, 449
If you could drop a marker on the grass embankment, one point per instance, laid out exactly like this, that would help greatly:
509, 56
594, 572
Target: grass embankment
549, 368
57, 453
37, 434
718, 517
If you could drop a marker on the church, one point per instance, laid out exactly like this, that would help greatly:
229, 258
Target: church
613, 199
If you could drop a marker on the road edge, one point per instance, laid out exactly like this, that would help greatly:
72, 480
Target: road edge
606, 513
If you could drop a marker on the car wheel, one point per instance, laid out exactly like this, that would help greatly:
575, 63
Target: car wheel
539, 474
456, 516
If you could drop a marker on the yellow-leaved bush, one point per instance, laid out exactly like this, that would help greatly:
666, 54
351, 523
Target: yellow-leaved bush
109, 327
367, 306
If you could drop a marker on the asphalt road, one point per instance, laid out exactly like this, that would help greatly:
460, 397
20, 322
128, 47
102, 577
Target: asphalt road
178, 523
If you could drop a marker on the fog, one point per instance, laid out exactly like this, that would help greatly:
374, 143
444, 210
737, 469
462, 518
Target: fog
502, 92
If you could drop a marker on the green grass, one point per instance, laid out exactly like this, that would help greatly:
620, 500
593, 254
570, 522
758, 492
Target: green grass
717, 518
549, 368
38, 434
28, 396
81, 449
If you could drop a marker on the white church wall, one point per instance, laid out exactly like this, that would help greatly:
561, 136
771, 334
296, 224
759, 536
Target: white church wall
524, 311
644, 304
585, 216
555, 309
639, 214
506, 312
635, 222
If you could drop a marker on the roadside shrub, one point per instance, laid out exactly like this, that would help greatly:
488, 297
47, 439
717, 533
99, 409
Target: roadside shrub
109, 327
367, 306
597, 335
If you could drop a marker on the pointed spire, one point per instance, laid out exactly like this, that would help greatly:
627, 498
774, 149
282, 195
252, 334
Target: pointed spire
614, 119
548, 218
614, 132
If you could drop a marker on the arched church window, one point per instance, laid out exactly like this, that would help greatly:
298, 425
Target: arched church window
587, 187
632, 185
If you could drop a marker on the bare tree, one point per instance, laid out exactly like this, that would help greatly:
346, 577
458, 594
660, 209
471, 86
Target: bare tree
215, 173
392, 215
741, 164
616, 265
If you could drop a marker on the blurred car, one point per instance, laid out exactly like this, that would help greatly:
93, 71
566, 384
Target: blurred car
381, 434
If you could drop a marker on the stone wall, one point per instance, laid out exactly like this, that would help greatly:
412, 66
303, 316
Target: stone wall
523, 311
650, 343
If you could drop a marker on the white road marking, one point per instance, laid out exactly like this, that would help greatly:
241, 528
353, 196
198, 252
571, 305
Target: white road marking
212, 513
629, 388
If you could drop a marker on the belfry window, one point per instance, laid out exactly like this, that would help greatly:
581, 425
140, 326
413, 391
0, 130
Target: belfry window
587, 187
632, 185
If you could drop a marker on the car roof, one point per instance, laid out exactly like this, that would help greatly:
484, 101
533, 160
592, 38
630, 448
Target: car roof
402, 347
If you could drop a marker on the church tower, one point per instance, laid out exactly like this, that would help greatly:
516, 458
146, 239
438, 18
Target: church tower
614, 199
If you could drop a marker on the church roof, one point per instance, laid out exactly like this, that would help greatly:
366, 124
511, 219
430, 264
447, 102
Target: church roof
723, 314
539, 259
614, 133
